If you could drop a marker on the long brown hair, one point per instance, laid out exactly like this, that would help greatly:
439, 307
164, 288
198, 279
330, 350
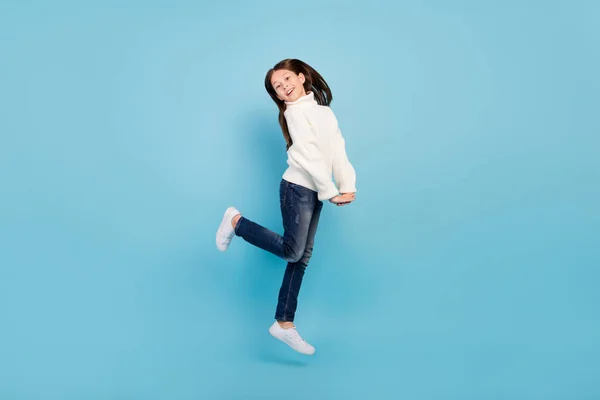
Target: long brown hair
314, 83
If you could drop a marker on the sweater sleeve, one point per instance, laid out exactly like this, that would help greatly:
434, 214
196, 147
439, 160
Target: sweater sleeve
305, 153
343, 171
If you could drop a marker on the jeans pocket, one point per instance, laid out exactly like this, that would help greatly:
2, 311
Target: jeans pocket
303, 195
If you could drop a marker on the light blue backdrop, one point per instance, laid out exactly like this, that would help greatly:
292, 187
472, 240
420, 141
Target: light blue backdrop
468, 268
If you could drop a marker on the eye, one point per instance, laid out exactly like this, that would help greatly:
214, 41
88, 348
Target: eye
287, 78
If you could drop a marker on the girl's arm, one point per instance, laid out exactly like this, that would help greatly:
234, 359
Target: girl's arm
306, 153
343, 171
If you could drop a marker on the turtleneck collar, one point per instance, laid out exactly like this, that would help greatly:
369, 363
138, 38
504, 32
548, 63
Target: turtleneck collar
304, 101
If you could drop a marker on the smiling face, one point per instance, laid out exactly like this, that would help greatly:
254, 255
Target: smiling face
288, 85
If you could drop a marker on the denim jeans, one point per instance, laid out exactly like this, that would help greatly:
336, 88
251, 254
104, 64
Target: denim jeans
300, 209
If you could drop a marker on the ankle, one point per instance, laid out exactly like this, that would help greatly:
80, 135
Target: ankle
286, 324
235, 220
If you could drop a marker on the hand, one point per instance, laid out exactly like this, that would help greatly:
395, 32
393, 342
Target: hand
343, 199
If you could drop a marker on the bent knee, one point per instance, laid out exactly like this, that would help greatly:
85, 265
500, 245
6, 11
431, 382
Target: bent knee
293, 254
293, 258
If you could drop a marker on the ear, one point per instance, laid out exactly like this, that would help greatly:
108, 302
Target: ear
302, 77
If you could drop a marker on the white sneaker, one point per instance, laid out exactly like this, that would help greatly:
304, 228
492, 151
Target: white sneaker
292, 338
226, 232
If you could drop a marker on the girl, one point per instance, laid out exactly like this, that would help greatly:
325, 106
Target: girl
316, 151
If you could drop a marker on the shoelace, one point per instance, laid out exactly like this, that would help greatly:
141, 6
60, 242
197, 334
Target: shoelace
295, 335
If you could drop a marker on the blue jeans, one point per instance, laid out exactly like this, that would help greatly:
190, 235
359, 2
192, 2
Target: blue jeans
300, 209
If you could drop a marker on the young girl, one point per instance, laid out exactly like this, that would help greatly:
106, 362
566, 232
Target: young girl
316, 151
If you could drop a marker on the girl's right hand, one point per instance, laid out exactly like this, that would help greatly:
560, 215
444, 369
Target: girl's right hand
343, 199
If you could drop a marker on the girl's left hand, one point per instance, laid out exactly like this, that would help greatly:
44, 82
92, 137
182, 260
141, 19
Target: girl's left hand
350, 196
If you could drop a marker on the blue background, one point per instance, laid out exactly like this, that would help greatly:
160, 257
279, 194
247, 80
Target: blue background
467, 269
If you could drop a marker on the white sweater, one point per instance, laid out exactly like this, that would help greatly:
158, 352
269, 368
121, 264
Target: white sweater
318, 150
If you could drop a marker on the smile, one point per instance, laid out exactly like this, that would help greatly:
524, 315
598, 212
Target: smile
290, 91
